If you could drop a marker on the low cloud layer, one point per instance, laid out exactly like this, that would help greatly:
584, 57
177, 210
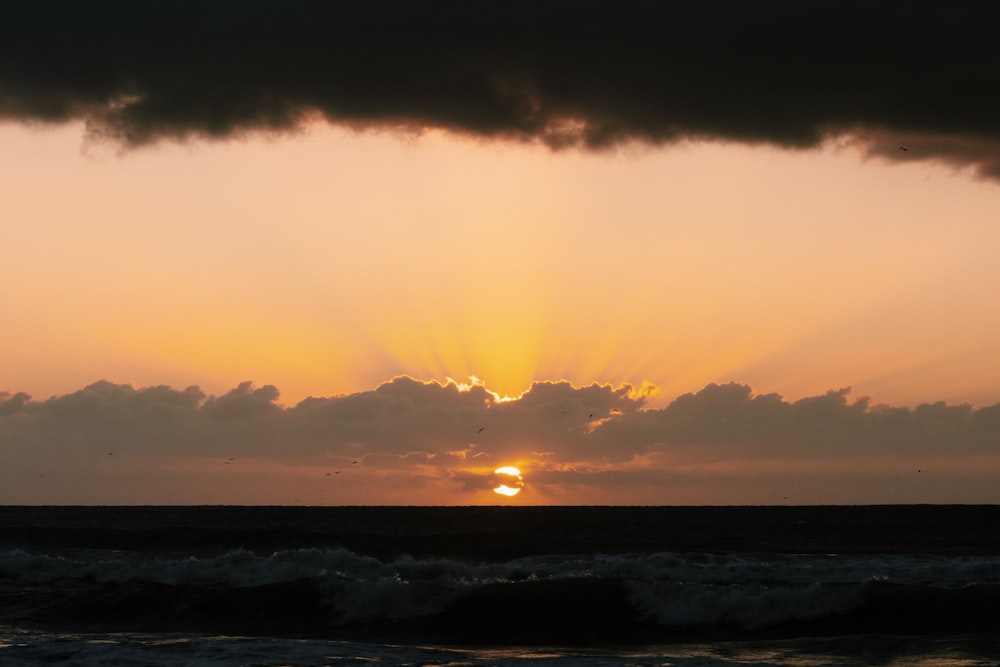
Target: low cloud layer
431, 443
903, 82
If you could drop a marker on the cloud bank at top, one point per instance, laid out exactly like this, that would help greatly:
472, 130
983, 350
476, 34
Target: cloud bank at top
590, 74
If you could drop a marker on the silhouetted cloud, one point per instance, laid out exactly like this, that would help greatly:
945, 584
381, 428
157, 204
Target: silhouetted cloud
406, 434
565, 73
243, 402
12, 404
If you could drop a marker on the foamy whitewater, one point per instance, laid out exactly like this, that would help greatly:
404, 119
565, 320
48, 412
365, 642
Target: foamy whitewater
78, 596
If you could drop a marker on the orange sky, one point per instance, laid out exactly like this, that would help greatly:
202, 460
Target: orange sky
327, 263
330, 262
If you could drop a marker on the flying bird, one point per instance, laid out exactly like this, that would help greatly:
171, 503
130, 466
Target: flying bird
903, 148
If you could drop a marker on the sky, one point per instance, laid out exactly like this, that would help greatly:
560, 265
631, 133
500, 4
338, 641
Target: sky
372, 252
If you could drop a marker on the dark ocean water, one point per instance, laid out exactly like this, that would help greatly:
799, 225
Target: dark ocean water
889, 585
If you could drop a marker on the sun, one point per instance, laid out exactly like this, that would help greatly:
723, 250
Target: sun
509, 481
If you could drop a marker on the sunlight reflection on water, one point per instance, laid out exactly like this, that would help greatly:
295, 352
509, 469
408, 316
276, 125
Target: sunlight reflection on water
33, 648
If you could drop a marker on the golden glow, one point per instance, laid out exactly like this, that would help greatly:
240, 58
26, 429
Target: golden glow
509, 481
476, 382
502, 261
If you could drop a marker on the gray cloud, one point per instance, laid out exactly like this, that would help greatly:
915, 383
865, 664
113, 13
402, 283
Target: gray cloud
12, 404
428, 422
598, 437
589, 74
243, 402
727, 421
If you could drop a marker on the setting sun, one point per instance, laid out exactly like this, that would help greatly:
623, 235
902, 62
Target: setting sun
509, 481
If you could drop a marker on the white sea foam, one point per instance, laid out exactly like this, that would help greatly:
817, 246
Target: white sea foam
245, 568
748, 590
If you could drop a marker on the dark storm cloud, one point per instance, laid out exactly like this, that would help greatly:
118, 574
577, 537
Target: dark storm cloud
921, 76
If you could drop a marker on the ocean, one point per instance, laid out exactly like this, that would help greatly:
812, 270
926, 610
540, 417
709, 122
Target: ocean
539, 586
